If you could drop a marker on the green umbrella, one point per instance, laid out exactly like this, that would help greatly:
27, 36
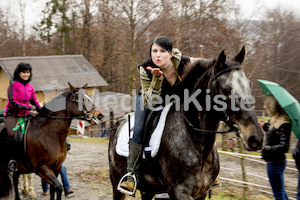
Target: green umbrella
290, 105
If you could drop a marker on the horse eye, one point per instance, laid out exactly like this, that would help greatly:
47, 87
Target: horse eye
251, 84
226, 91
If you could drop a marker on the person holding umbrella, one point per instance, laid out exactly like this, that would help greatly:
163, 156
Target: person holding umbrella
291, 107
278, 130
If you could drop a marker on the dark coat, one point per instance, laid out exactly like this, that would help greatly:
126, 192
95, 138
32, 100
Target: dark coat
277, 144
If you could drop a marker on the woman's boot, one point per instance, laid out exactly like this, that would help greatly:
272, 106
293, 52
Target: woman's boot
11, 147
133, 166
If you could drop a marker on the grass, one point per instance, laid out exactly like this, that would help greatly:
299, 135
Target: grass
236, 193
93, 140
263, 119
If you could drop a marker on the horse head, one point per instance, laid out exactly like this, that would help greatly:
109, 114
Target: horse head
230, 84
223, 93
83, 105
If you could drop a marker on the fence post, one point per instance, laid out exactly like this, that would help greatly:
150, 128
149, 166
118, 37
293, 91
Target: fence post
245, 188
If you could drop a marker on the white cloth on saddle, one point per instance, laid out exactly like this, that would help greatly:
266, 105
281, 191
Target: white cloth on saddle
154, 143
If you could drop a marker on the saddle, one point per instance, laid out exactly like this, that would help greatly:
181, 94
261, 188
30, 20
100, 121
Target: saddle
151, 122
153, 129
19, 142
22, 128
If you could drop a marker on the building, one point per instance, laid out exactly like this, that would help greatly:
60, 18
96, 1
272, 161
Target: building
51, 75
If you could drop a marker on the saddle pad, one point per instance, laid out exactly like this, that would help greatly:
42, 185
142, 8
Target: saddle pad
154, 143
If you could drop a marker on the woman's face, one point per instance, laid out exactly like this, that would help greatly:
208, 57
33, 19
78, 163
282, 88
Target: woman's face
25, 75
267, 109
160, 56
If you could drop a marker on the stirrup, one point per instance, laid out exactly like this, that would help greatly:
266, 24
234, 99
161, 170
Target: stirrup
129, 174
12, 166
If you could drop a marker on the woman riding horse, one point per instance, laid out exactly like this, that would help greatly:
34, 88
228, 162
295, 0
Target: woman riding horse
187, 164
160, 76
46, 141
20, 95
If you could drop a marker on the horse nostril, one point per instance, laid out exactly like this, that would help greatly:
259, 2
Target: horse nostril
100, 116
253, 142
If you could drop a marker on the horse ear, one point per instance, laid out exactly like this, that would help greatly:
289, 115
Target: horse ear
72, 88
221, 61
240, 56
222, 58
85, 86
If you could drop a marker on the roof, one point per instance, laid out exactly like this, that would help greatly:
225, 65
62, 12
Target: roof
119, 103
54, 72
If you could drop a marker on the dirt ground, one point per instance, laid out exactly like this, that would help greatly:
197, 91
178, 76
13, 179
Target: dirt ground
87, 168
84, 161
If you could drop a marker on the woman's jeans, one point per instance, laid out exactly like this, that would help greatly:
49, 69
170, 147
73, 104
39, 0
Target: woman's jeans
139, 120
276, 174
298, 192
10, 123
64, 178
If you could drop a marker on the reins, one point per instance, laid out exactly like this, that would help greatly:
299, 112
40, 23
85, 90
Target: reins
87, 115
233, 127
79, 117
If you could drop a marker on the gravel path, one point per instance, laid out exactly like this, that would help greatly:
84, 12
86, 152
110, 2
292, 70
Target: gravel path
87, 168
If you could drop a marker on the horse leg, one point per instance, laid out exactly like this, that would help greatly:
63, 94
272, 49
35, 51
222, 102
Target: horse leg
116, 194
16, 176
30, 186
48, 175
56, 189
52, 192
24, 188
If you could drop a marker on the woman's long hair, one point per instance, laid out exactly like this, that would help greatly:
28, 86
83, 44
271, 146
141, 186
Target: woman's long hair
21, 68
277, 114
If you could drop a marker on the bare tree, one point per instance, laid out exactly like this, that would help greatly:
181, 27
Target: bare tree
130, 20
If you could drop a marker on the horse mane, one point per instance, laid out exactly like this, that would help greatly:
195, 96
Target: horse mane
44, 113
194, 71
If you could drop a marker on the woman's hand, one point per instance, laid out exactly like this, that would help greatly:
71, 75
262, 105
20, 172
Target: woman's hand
155, 71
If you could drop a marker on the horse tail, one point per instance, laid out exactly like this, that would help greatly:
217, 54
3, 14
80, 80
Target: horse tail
5, 182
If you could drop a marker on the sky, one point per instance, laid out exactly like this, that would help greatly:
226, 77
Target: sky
249, 8
252, 8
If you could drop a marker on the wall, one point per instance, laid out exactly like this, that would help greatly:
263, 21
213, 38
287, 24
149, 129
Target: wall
4, 83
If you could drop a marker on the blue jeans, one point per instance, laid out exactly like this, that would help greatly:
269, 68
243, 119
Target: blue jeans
298, 192
276, 179
139, 120
64, 178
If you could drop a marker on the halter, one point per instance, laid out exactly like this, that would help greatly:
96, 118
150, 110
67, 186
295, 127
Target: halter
87, 115
232, 127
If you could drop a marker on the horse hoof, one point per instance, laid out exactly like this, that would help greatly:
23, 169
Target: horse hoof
33, 195
24, 191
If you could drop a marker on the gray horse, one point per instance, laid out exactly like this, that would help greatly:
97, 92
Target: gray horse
187, 162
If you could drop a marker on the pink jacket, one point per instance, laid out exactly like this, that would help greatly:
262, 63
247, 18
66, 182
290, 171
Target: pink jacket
21, 97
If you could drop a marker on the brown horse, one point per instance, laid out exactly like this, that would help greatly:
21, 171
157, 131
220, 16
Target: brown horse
46, 141
187, 162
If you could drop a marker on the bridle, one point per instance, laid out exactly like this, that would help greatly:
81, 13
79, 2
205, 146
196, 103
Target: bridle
227, 119
87, 115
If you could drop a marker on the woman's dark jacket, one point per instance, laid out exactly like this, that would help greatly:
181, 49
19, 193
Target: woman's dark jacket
277, 144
